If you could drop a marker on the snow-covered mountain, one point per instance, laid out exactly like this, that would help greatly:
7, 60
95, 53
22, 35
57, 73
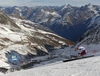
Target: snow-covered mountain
26, 38
65, 20
92, 35
73, 24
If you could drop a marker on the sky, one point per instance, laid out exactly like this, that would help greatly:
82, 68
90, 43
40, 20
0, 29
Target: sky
31, 3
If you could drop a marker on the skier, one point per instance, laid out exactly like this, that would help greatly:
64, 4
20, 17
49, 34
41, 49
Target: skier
82, 49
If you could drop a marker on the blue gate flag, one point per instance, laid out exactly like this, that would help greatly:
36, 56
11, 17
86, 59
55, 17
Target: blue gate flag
14, 57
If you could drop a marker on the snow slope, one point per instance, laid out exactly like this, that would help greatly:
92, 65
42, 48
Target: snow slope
84, 67
55, 67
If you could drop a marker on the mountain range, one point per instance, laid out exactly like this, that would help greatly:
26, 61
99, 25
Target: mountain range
34, 31
67, 21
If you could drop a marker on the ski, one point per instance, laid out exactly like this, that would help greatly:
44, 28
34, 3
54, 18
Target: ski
77, 58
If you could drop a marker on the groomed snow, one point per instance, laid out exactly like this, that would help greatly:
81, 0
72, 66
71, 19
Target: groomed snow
83, 67
55, 67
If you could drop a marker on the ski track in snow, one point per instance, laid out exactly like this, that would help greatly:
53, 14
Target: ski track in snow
82, 67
